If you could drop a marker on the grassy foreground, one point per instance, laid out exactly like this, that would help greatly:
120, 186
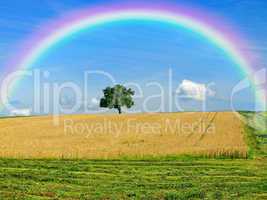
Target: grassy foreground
179, 179
154, 178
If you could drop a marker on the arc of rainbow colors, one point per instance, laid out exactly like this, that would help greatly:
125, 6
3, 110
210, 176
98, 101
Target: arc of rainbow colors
88, 18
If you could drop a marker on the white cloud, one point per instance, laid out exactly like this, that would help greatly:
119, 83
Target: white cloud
94, 101
191, 90
20, 112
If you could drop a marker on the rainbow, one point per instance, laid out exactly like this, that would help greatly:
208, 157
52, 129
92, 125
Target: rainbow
195, 20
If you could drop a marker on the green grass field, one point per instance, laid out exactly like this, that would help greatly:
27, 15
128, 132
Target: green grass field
151, 178
179, 179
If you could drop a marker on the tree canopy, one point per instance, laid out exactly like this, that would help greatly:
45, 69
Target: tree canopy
117, 97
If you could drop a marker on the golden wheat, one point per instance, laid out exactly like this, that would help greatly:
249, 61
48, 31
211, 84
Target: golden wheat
112, 136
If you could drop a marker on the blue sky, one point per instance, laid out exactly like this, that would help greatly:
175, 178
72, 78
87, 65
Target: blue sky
137, 51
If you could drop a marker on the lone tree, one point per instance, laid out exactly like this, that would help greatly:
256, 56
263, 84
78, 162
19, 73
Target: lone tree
117, 97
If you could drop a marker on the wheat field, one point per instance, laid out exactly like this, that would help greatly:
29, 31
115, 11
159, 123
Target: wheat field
131, 135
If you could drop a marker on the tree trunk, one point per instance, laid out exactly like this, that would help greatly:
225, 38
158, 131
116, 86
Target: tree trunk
119, 109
